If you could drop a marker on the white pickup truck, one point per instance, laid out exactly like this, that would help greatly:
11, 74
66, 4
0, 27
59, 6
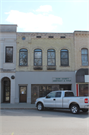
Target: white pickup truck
63, 99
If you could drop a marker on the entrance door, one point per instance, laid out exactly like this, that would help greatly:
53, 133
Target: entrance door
6, 90
23, 94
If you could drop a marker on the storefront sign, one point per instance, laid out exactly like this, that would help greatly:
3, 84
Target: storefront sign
63, 79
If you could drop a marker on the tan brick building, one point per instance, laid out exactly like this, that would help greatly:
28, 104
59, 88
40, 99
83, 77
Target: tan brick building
45, 41
81, 43
49, 64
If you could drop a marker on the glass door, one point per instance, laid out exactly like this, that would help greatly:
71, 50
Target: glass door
6, 85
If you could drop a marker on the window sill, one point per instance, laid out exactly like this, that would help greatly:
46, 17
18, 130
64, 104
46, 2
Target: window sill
8, 62
64, 66
37, 67
84, 65
23, 66
51, 67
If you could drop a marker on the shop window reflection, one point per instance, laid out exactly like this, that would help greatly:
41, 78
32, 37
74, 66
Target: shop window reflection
44, 90
83, 90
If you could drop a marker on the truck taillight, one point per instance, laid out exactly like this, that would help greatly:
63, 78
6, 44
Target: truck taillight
86, 100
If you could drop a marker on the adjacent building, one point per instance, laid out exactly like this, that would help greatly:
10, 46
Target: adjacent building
7, 63
81, 42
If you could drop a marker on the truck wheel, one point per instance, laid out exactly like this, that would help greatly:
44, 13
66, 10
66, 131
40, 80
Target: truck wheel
39, 107
74, 109
85, 110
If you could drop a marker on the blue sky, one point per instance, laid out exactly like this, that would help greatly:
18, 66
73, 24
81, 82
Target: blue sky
46, 15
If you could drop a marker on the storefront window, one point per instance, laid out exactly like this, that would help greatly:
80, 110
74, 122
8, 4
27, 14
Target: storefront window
42, 91
49, 89
83, 90
65, 87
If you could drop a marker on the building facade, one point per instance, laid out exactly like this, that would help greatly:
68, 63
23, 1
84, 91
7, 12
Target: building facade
81, 41
33, 64
45, 62
7, 63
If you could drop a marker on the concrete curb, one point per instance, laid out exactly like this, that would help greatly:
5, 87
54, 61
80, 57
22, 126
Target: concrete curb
16, 108
20, 106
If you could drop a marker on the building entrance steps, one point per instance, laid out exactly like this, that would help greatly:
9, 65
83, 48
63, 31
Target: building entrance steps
17, 106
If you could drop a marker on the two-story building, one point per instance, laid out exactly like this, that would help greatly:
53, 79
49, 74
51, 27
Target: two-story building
7, 63
81, 43
45, 62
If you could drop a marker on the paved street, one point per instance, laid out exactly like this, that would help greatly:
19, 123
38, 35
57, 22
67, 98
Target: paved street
33, 122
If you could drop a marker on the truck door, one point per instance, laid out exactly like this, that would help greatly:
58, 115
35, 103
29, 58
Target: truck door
49, 100
58, 100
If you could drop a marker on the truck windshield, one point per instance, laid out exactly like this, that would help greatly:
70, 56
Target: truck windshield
69, 94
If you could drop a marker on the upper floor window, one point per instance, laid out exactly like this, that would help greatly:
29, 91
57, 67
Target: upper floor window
23, 54
64, 57
9, 54
84, 56
51, 57
37, 57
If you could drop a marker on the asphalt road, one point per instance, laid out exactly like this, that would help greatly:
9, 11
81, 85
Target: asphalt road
33, 122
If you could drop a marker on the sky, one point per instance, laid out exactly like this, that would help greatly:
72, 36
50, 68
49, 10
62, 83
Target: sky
46, 15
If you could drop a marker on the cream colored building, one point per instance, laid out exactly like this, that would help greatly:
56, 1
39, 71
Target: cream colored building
57, 41
49, 64
81, 43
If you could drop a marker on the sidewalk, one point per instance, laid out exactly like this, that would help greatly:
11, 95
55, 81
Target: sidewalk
17, 106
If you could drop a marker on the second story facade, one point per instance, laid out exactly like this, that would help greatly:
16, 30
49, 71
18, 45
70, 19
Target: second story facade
81, 45
45, 52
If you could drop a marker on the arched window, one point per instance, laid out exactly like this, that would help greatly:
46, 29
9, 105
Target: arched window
51, 57
37, 57
84, 56
64, 57
23, 54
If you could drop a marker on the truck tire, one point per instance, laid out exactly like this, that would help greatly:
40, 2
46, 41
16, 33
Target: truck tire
74, 108
85, 110
39, 106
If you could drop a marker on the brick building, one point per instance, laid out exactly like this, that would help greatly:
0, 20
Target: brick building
49, 64
81, 42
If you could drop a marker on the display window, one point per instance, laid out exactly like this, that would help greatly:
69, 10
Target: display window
41, 90
83, 89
